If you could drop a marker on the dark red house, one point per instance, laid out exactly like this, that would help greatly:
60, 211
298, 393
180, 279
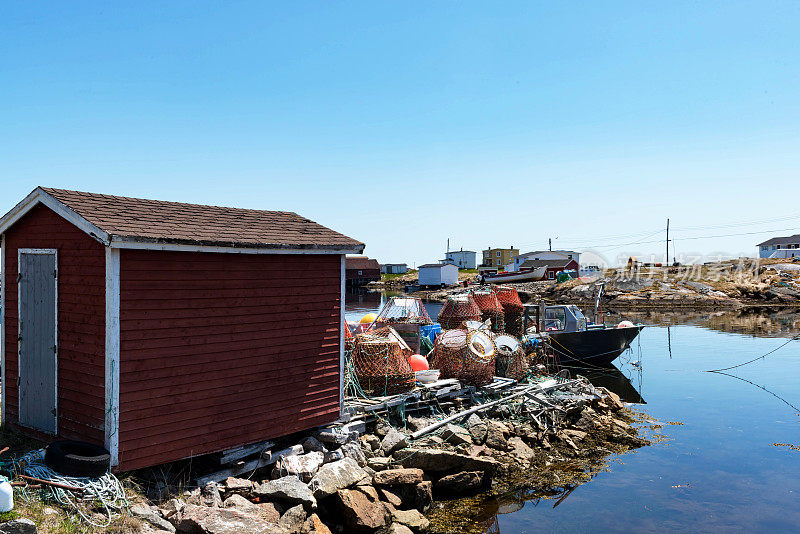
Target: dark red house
361, 270
552, 266
166, 330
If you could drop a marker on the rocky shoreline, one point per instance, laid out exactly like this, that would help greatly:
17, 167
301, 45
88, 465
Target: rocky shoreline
375, 478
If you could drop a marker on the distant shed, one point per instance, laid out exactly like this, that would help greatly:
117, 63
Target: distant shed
360, 270
166, 330
438, 274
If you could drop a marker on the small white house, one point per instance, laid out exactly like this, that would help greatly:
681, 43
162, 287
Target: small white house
780, 247
463, 259
438, 274
394, 268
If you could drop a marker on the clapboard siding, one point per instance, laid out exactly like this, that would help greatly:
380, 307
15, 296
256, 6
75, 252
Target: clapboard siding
218, 350
81, 321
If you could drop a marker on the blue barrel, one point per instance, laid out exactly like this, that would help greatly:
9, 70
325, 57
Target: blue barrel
430, 331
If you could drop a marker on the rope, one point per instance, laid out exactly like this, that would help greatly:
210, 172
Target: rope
755, 359
107, 489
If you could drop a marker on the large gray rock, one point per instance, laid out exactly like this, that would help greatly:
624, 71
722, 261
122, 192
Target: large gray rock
335, 476
496, 436
439, 461
464, 483
456, 435
393, 441
304, 466
360, 511
396, 477
353, 450
396, 528
20, 526
292, 521
207, 520
148, 515
413, 519
238, 485
334, 436
520, 450
290, 489
312, 444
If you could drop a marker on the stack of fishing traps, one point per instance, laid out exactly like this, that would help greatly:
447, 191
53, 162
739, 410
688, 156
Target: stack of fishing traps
380, 362
511, 360
490, 308
512, 308
457, 309
466, 355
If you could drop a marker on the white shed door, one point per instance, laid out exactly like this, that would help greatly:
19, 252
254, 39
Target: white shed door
37, 341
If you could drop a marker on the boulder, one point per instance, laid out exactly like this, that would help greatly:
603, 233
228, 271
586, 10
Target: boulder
314, 525
238, 485
373, 441
478, 432
360, 511
353, 451
293, 520
379, 463
393, 441
413, 519
612, 399
396, 528
312, 444
496, 436
21, 526
148, 515
207, 520
464, 483
575, 435
290, 489
333, 456
335, 436
439, 461
390, 497
335, 476
520, 450
396, 477
305, 466
456, 435
270, 511
240, 503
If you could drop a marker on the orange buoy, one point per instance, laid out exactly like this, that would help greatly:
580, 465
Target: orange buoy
418, 362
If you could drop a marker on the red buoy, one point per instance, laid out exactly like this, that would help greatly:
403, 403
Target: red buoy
418, 362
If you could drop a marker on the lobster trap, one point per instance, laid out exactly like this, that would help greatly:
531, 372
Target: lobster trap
406, 310
466, 355
380, 362
490, 308
511, 360
457, 309
513, 310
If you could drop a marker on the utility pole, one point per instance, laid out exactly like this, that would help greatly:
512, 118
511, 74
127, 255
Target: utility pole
448, 245
550, 244
666, 258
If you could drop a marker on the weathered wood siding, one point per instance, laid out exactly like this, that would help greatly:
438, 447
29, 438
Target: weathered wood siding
219, 350
81, 321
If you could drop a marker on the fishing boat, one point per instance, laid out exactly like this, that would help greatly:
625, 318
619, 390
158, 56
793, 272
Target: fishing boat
573, 339
516, 276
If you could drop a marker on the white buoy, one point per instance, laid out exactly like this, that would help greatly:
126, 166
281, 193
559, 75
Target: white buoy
6, 496
625, 324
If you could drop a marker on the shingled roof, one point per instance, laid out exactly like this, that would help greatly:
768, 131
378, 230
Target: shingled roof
781, 240
139, 220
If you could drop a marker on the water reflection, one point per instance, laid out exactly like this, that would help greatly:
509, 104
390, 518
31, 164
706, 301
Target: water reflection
628, 387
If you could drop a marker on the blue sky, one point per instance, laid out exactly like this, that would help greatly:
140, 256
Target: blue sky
405, 124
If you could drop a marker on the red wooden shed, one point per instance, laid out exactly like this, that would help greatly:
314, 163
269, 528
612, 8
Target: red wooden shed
166, 330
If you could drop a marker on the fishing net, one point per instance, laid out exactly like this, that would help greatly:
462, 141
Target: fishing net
511, 360
466, 355
512, 308
457, 309
404, 310
380, 362
491, 309
348, 338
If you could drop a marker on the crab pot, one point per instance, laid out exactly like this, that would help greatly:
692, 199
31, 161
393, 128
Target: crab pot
466, 355
511, 360
512, 308
457, 309
491, 309
381, 364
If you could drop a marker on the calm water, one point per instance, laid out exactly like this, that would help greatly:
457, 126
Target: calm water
719, 470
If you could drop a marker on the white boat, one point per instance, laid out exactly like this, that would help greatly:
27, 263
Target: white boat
516, 276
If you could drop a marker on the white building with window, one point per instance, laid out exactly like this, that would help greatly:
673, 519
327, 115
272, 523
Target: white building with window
463, 259
780, 247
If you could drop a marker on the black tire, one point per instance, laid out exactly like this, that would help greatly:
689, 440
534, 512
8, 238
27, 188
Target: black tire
77, 458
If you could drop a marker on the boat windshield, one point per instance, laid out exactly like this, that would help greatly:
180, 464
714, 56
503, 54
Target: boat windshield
555, 318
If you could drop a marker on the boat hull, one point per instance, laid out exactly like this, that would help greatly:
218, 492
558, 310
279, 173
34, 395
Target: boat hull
527, 276
596, 347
